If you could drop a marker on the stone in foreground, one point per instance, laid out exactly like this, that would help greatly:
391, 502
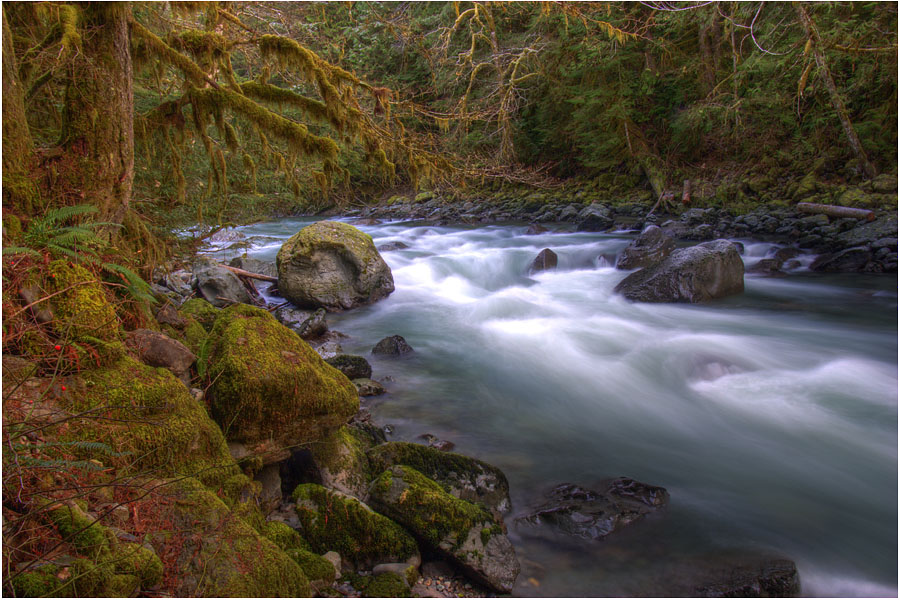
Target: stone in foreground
546, 260
334, 266
593, 515
465, 533
393, 345
697, 274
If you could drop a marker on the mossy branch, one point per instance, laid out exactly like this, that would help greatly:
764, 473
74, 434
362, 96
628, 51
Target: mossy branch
170, 55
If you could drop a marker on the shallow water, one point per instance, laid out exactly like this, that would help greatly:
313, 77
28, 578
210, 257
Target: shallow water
770, 417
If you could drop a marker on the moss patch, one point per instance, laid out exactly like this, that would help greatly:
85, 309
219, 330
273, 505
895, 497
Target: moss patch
270, 387
332, 521
387, 585
201, 310
284, 536
81, 307
342, 461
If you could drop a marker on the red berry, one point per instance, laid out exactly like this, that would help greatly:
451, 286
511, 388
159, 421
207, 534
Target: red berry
57, 347
63, 388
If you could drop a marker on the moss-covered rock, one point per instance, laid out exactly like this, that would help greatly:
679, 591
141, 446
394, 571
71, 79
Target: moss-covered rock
318, 570
463, 532
271, 390
284, 536
201, 310
80, 306
156, 423
80, 530
222, 556
332, 521
463, 477
342, 461
334, 266
387, 585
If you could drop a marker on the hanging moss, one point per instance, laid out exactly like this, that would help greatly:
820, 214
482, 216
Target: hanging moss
280, 96
159, 48
231, 137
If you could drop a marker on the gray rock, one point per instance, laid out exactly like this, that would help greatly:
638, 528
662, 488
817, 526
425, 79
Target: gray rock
367, 387
546, 260
741, 576
535, 229
649, 248
226, 235
159, 350
393, 345
314, 326
593, 515
697, 274
168, 315
869, 233
333, 266
851, 260
219, 286
595, 217
254, 265
769, 267
354, 367
391, 246
176, 282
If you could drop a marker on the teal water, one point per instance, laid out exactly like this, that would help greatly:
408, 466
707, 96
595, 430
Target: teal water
770, 417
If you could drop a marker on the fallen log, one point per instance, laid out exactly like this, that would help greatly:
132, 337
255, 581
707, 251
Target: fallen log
686, 193
836, 211
244, 273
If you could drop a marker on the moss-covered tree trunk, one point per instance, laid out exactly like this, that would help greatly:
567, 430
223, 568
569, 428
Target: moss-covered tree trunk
16, 137
98, 122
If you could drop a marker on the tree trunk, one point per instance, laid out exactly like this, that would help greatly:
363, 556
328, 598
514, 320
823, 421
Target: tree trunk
17, 142
836, 99
98, 121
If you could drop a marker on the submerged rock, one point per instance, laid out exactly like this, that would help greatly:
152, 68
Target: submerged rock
333, 266
697, 274
546, 260
851, 260
649, 248
463, 532
351, 365
391, 246
733, 574
393, 345
593, 515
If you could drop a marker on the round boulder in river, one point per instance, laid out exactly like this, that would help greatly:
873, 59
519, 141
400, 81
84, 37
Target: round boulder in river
333, 266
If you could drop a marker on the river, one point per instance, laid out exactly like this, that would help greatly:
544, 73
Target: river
770, 417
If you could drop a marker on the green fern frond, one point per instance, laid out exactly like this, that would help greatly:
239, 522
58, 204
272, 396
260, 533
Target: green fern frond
11, 250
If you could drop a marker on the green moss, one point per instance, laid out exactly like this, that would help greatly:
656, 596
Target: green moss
387, 585
284, 536
270, 385
201, 310
194, 335
158, 425
80, 307
40, 583
20, 192
342, 461
315, 567
135, 559
423, 506
332, 521
80, 530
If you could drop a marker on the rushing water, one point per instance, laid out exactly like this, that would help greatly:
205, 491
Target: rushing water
770, 417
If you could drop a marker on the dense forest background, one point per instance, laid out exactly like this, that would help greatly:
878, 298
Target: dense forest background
161, 115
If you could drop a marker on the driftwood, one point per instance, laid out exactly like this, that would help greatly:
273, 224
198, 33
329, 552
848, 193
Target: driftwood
666, 198
244, 273
836, 211
686, 194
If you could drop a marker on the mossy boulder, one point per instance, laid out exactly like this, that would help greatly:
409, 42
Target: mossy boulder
462, 476
387, 585
80, 307
319, 571
342, 462
201, 310
218, 554
271, 390
334, 266
464, 533
330, 520
155, 422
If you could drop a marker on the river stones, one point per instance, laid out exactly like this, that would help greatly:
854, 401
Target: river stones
594, 514
849, 260
650, 247
333, 266
464, 533
219, 286
393, 345
354, 367
546, 260
464, 477
697, 274
595, 217
159, 350
391, 246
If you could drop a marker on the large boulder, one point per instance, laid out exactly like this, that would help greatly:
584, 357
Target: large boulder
342, 462
697, 274
466, 478
650, 247
333, 266
271, 391
219, 286
594, 514
464, 533
330, 520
